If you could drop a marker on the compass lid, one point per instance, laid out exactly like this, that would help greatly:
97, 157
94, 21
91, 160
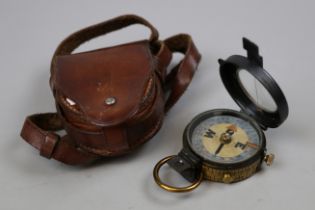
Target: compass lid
231, 70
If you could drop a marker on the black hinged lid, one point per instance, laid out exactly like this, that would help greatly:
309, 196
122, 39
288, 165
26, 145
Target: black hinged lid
253, 64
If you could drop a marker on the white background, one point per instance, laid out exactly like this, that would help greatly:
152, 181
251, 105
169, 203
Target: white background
285, 31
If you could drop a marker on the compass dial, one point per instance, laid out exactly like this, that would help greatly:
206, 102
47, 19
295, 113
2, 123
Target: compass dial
226, 138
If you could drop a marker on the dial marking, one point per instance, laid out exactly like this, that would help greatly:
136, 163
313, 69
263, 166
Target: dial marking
240, 145
207, 139
209, 133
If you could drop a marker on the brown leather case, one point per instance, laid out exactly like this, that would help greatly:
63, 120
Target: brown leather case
110, 100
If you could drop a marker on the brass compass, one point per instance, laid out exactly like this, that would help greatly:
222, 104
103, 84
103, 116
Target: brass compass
224, 145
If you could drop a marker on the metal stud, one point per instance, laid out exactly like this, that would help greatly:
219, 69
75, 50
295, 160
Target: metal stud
110, 101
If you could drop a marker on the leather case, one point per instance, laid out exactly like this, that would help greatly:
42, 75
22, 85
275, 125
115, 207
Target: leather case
110, 100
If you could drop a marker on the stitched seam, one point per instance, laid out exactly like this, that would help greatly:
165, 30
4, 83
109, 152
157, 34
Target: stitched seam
105, 151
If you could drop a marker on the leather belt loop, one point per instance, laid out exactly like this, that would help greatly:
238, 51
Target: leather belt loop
178, 79
38, 130
164, 59
49, 145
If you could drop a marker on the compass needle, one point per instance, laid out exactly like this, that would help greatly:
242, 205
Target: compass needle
219, 149
251, 145
232, 127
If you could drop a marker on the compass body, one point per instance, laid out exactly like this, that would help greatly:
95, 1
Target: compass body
224, 145
230, 144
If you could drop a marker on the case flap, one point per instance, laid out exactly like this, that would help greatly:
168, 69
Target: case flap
92, 79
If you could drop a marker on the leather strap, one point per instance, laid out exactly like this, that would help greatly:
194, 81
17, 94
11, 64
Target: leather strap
181, 75
78, 38
40, 129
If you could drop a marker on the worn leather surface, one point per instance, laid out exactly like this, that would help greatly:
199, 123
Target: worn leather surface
135, 74
122, 72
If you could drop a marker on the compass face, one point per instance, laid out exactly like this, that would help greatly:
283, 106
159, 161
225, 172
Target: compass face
226, 138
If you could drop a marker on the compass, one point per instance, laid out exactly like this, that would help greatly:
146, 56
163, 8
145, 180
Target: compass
224, 145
